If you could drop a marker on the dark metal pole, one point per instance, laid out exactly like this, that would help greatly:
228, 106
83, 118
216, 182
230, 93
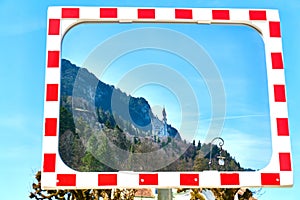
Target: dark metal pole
164, 194
221, 143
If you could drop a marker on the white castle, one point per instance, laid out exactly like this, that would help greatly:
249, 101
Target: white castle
159, 128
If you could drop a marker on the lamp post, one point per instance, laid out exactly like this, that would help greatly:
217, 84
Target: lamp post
220, 157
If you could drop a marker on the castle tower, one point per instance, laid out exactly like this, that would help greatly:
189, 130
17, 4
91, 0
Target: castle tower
164, 113
156, 127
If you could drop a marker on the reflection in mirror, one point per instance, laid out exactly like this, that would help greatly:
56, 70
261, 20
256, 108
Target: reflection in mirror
153, 97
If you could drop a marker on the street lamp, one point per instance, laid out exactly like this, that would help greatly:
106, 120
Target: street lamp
220, 157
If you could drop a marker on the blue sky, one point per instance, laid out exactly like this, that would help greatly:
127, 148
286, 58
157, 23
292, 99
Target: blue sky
23, 39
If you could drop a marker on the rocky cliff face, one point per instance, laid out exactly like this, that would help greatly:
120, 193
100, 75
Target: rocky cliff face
82, 93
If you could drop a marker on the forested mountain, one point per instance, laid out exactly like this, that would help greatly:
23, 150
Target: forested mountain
104, 129
83, 89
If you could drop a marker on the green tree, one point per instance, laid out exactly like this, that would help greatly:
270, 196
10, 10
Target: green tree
66, 121
90, 163
201, 164
199, 145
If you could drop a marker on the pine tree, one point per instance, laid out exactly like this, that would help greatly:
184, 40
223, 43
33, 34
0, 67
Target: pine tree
199, 145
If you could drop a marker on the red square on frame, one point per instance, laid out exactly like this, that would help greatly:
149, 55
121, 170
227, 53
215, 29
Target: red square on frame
52, 92
54, 27
66, 180
70, 13
279, 92
230, 179
277, 62
53, 59
108, 12
148, 179
274, 29
189, 179
146, 13
183, 14
285, 162
270, 179
258, 15
282, 127
220, 14
49, 162
107, 179
50, 126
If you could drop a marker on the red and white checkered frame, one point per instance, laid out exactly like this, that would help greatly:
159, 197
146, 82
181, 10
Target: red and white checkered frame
55, 174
